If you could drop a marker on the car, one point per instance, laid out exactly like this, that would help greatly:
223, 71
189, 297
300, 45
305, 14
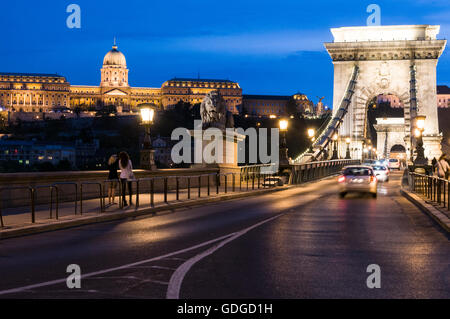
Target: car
273, 181
381, 172
394, 163
368, 162
382, 162
359, 179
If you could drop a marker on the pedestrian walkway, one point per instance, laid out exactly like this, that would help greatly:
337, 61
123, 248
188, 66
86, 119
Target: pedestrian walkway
71, 212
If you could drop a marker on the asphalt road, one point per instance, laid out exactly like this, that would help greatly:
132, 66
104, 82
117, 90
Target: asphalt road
303, 242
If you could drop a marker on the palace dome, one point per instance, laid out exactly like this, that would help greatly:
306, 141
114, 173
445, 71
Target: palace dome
114, 58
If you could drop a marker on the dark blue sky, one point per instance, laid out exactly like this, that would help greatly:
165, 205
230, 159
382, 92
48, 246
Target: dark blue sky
269, 47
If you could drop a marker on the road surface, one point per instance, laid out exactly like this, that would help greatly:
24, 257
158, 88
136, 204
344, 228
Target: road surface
303, 242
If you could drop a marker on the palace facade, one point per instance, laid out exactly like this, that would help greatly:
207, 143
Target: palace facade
23, 92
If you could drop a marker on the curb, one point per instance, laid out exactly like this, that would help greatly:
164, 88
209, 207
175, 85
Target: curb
106, 217
440, 218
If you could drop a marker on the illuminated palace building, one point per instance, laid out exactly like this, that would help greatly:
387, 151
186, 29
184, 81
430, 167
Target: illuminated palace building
27, 92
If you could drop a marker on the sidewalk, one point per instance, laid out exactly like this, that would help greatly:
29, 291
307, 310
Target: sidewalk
17, 221
439, 213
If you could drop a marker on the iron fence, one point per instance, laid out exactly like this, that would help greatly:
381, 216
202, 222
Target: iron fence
432, 188
194, 186
302, 173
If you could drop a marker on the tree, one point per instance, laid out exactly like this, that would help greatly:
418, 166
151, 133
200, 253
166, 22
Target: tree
77, 111
291, 107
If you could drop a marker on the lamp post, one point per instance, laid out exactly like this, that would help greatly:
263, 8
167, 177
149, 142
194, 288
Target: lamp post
311, 133
347, 153
284, 158
418, 132
147, 153
335, 151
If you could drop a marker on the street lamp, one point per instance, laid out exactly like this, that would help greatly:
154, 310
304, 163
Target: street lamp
284, 158
347, 153
311, 133
147, 153
335, 151
418, 133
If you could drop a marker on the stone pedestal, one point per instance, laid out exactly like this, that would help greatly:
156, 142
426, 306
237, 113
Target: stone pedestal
227, 161
148, 159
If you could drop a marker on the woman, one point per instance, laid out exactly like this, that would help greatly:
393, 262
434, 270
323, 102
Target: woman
442, 166
113, 178
126, 175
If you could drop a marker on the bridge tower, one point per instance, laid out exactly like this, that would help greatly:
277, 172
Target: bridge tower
399, 60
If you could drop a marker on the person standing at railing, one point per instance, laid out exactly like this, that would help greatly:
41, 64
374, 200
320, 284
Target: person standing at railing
126, 175
113, 178
443, 168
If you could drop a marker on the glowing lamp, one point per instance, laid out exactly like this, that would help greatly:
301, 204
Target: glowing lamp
420, 122
283, 125
417, 132
147, 114
311, 132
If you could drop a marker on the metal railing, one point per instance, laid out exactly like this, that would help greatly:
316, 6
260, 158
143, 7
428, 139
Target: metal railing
194, 186
432, 188
302, 173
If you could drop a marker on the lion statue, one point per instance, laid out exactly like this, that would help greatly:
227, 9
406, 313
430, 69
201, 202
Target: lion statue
213, 110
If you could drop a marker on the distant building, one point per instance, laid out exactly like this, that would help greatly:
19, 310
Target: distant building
29, 153
194, 90
163, 150
274, 105
443, 98
393, 100
85, 153
30, 92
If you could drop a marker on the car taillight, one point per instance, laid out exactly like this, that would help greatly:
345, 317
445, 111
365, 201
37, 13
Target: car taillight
373, 179
341, 179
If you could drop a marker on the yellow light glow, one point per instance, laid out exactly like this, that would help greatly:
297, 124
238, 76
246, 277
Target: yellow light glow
147, 115
283, 125
420, 122
311, 132
273, 116
417, 132
335, 137
347, 140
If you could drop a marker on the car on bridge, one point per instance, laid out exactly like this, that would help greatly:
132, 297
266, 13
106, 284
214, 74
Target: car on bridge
394, 163
381, 172
273, 181
357, 179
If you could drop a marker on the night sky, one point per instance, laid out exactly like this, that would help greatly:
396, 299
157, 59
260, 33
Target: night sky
269, 47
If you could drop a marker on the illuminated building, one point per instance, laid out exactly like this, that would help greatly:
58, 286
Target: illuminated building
30, 92
193, 91
274, 105
443, 96
47, 92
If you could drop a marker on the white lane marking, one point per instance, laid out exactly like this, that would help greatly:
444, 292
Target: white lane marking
63, 280
173, 291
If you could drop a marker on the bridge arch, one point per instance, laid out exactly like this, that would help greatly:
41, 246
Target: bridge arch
389, 59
